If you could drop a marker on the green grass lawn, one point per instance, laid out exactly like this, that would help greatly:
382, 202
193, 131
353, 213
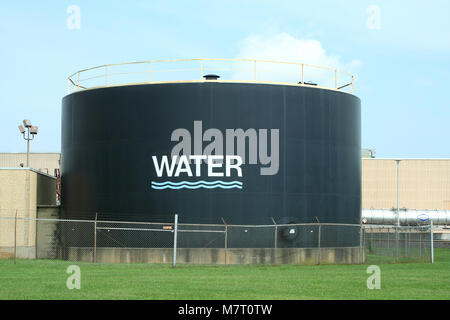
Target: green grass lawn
46, 279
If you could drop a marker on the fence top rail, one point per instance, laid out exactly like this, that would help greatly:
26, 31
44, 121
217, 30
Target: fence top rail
292, 225
209, 225
201, 224
134, 222
134, 229
383, 226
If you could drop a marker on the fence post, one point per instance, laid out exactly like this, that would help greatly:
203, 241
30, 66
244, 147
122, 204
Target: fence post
431, 241
276, 239
320, 251
407, 241
226, 239
389, 235
36, 227
318, 244
360, 242
175, 234
276, 233
420, 245
397, 243
95, 238
15, 237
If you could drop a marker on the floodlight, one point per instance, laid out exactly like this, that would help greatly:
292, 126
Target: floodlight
27, 123
29, 129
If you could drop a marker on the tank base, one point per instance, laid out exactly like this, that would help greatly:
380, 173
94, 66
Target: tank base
298, 256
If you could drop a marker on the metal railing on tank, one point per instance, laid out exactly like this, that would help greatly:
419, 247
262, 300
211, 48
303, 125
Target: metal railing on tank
223, 70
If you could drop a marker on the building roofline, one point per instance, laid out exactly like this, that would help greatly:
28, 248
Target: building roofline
30, 169
30, 153
401, 159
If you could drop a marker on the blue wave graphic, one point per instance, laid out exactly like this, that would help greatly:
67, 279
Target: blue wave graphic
197, 184
197, 187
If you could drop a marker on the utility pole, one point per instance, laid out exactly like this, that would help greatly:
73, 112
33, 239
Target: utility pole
398, 191
398, 207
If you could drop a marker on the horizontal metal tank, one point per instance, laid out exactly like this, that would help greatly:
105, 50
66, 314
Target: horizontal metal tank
405, 216
111, 137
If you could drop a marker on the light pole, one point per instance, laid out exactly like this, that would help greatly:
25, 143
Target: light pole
398, 212
398, 191
30, 130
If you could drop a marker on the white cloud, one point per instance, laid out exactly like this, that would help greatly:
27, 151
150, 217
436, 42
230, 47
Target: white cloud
285, 47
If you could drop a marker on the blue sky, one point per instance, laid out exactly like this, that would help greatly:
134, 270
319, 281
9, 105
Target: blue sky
402, 69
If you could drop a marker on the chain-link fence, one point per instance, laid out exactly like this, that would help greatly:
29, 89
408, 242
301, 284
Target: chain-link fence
398, 244
173, 242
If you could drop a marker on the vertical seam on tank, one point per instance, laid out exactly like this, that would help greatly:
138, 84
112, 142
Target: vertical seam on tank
302, 96
329, 150
211, 103
72, 122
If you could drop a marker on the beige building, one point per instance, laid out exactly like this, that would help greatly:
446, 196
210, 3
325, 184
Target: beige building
424, 184
29, 194
44, 162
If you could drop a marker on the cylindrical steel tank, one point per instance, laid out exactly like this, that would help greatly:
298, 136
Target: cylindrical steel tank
112, 136
405, 216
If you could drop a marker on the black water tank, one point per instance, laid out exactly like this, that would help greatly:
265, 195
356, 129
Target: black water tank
109, 136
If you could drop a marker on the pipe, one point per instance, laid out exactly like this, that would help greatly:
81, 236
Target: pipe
406, 216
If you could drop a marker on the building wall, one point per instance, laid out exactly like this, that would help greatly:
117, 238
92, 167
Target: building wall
424, 184
46, 232
21, 191
44, 162
45, 190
